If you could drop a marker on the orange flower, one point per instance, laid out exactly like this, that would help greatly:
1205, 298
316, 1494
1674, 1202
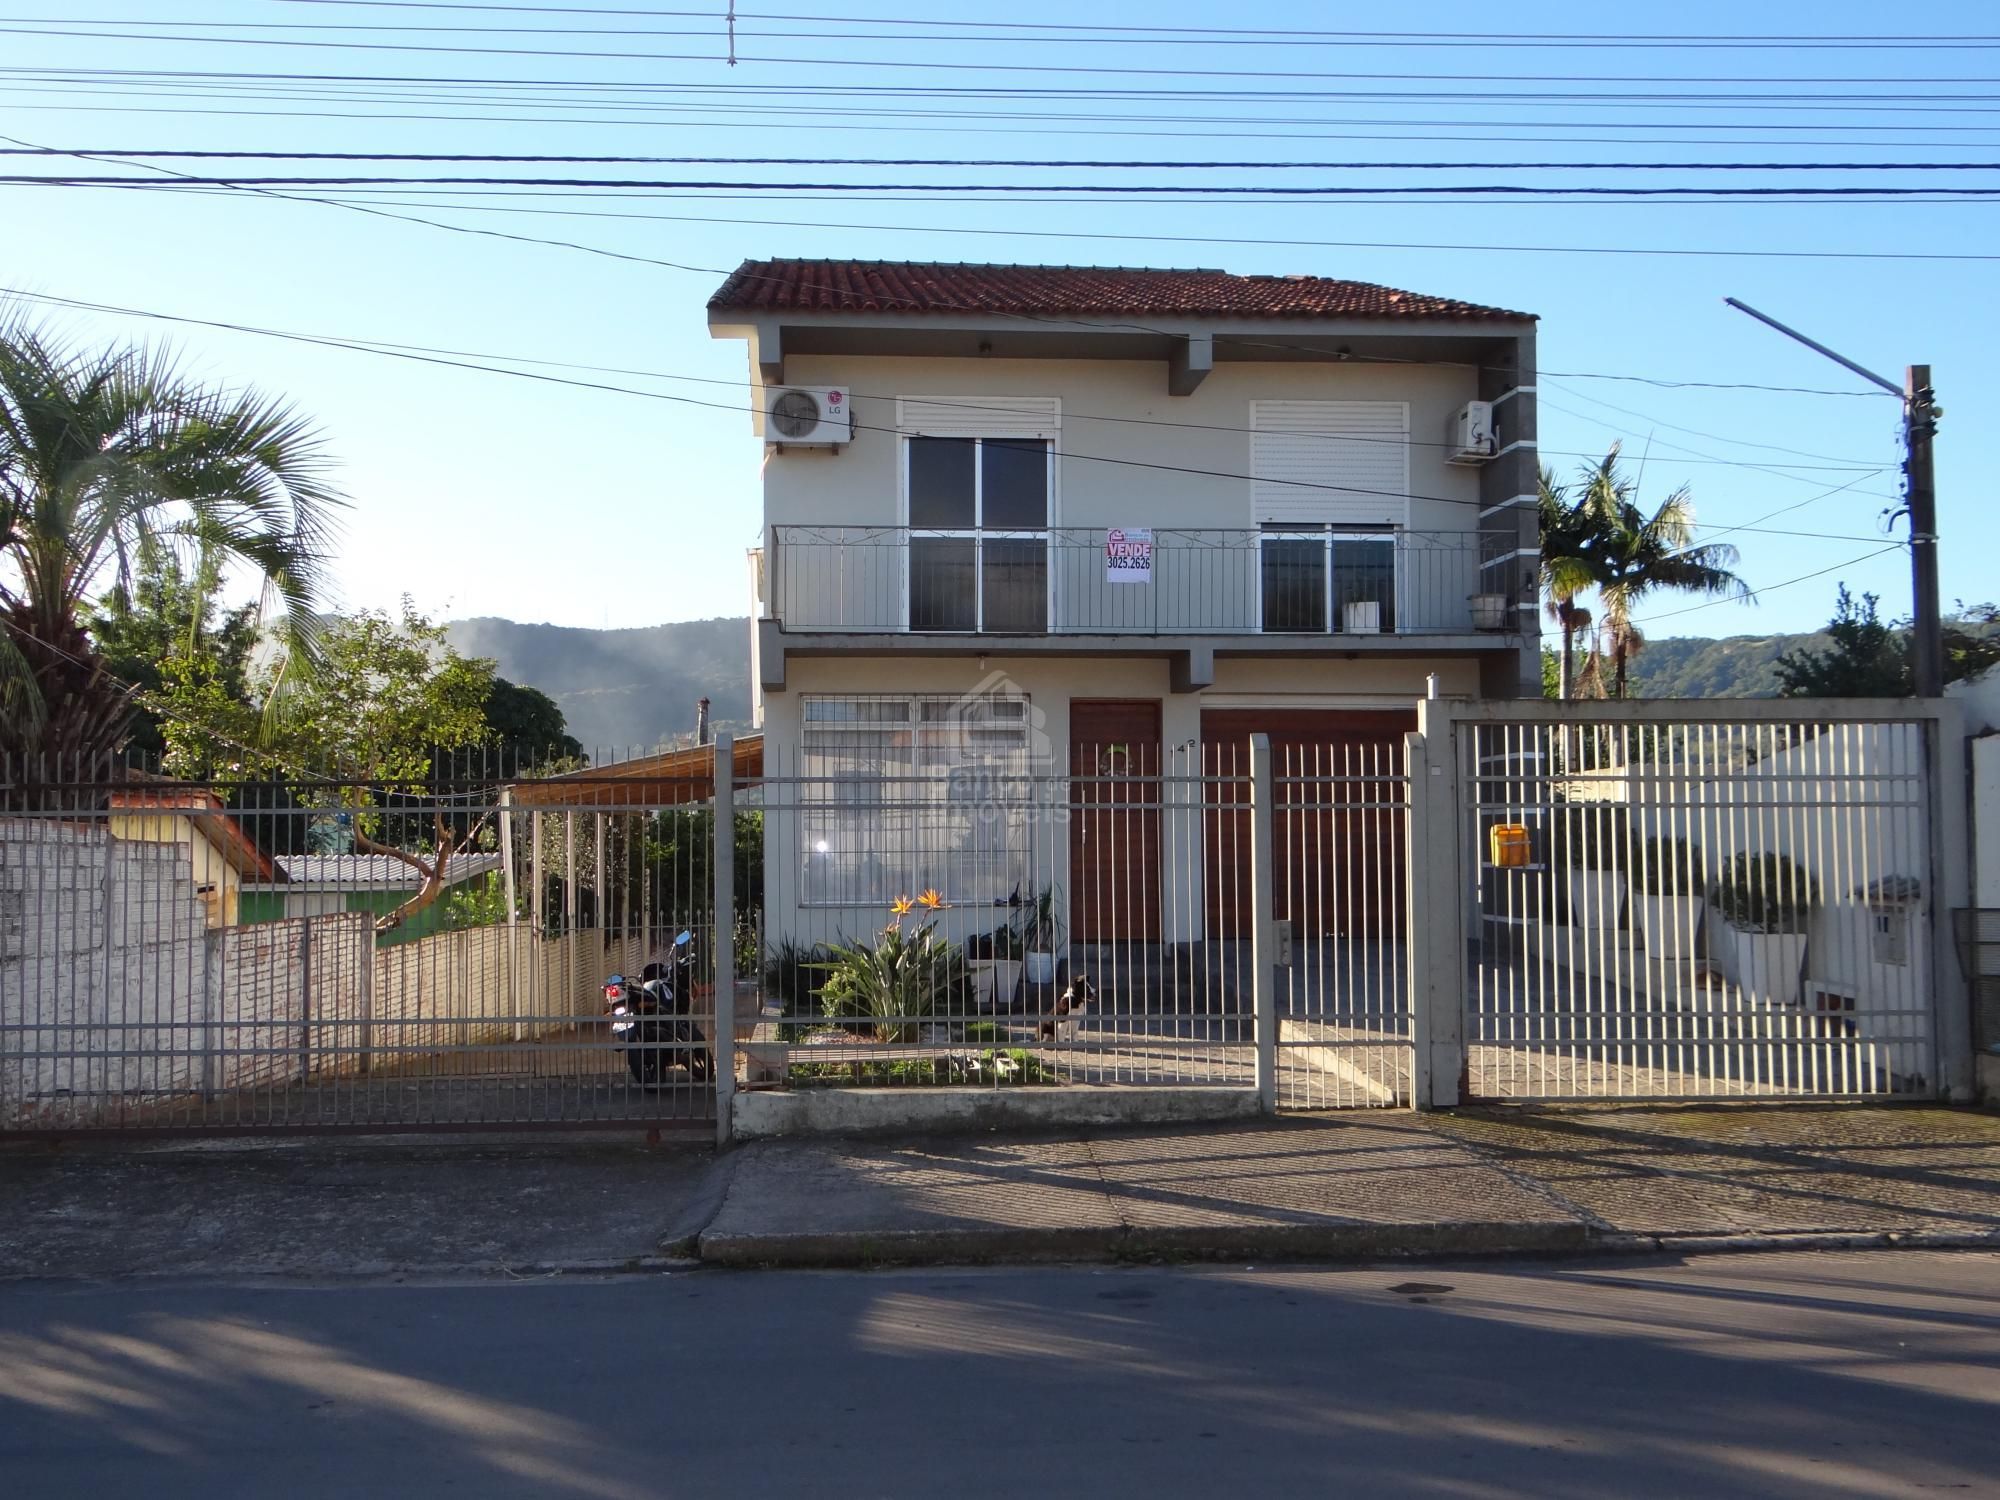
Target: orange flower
931, 900
900, 906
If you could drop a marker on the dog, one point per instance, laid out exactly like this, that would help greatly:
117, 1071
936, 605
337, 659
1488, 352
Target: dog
1071, 1005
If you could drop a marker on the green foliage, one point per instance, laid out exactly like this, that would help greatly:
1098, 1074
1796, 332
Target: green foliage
792, 973
1667, 867
1000, 1066
1867, 658
1597, 537
1765, 893
102, 453
1551, 674
889, 987
680, 863
168, 610
386, 692
526, 727
480, 902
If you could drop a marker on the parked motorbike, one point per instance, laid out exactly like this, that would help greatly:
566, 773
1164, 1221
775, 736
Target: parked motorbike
651, 1021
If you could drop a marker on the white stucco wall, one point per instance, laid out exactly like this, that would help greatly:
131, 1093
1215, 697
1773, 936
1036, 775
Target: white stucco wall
860, 484
1051, 684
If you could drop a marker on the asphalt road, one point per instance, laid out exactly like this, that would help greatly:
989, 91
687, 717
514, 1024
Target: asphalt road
1858, 1375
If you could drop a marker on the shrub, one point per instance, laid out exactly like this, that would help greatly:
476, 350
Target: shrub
1765, 893
1668, 868
792, 973
890, 986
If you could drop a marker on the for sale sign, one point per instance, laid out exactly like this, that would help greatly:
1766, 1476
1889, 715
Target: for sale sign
1128, 554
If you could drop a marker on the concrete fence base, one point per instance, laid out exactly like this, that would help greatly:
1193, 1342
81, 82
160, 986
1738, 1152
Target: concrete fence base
760, 1114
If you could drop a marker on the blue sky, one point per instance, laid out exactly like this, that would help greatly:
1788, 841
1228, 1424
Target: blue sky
479, 494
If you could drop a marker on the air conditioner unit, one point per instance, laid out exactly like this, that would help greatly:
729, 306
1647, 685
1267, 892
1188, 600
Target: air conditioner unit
807, 417
1469, 437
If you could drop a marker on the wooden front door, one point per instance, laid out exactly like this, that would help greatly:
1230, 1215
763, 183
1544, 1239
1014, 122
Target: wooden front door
1114, 838
1339, 835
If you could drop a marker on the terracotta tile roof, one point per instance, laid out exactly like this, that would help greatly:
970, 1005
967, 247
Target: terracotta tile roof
822, 286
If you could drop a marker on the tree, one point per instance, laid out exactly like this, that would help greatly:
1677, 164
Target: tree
1634, 555
101, 453
526, 726
1868, 658
367, 723
1571, 535
166, 610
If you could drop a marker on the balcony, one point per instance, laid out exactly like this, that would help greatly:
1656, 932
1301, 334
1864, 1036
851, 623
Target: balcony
1351, 586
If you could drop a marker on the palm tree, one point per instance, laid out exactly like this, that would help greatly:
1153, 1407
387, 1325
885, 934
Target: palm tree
1634, 555
1571, 537
106, 452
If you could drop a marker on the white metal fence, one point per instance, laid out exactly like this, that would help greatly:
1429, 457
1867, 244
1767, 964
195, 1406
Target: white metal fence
1520, 901
1742, 903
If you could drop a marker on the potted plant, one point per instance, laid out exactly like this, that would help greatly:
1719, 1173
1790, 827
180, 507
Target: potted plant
1666, 898
1596, 885
1766, 903
1040, 929
890, 988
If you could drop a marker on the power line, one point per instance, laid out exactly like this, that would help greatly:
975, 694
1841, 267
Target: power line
175, 173
982, 66
1071, 34
1774, 587
1037, 163
1115, 189
1185, 239
1690, 431
449, 358
1393, 38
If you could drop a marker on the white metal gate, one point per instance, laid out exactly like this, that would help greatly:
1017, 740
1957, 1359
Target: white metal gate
1662, 906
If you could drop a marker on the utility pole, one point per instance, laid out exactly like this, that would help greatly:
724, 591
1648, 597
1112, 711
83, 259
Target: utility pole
1920, 418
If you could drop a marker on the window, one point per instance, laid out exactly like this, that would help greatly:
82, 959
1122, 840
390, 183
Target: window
1891, 935
979, 533
904, 792
1314, 580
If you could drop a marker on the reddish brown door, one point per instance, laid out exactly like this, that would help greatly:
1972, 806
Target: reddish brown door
1114, 838
1339, 833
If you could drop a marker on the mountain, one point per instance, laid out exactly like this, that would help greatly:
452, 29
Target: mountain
623, 689
636, 689
1736, 666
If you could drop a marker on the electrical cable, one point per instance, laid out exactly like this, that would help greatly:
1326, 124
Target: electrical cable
1772, 588
426, 355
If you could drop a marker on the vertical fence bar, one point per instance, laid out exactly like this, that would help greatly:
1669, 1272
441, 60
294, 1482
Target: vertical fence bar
723, 865
1263, 932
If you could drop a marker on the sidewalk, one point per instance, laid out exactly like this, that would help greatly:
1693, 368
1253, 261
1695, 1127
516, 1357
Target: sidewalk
1364, 1185
1327, 1187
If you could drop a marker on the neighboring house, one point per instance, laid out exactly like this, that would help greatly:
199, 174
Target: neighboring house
223, 859
1027, 514
314, 885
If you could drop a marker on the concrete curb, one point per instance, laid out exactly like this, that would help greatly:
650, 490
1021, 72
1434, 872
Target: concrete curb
1275, 1242
1125, 1243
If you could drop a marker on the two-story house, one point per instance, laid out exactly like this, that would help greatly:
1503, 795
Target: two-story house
1021, 514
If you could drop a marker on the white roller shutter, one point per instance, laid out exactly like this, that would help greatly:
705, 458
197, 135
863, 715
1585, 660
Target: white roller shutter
1330, 462
980, 416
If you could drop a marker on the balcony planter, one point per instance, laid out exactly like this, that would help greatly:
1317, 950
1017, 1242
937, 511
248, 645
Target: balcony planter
1591, 848
1489, 611
1363, 617
1666, 899
1766, 904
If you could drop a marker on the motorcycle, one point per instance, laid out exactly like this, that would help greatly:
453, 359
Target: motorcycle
651, 1021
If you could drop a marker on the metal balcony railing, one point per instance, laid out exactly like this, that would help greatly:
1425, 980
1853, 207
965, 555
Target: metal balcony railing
1080, 580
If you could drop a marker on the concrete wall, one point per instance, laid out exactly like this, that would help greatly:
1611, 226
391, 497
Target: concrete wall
209, 868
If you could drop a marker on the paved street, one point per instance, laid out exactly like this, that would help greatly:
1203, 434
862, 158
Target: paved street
1854, 1374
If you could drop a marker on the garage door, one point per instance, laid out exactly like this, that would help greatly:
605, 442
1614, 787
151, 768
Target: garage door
1340, 837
